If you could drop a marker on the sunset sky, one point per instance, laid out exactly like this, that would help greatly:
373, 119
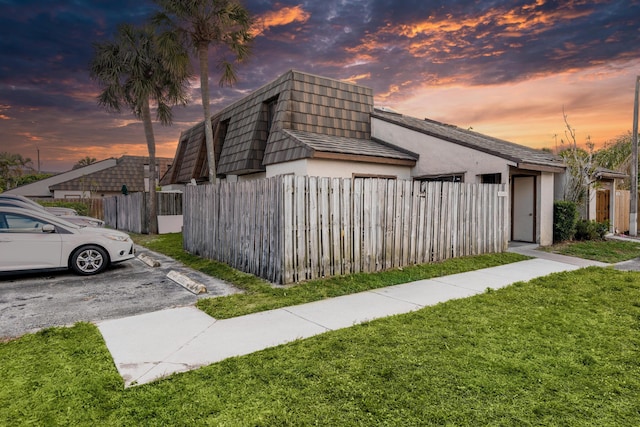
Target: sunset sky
503, 68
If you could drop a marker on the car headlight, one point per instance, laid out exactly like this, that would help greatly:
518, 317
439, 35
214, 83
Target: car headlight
117, 237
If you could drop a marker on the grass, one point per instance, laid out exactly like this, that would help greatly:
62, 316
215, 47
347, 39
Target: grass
559, 350
260, 295
609, 251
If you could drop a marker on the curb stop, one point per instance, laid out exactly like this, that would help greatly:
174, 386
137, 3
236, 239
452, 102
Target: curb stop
187, 283
149, 261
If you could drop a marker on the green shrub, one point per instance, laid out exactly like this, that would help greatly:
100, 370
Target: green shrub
81, 207
565, 217
591, 230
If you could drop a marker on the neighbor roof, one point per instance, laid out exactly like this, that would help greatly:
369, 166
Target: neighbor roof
604, 173
128, 170
525, 157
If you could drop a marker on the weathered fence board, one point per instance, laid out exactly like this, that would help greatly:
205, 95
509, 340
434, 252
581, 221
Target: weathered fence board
289, 229
129, 212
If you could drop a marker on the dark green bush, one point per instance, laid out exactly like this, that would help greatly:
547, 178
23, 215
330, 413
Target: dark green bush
82, 207
591, 230
565, 217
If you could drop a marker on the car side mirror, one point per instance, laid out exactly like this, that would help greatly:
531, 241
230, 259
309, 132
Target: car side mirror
48, 228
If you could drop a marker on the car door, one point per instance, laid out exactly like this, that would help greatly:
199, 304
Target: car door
24, 245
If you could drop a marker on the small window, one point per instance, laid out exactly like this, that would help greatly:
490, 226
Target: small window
222, 131
362, 175
454, 177
271, 113
491, 178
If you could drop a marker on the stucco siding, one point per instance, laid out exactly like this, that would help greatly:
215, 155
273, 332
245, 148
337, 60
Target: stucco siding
438, 156
337, 169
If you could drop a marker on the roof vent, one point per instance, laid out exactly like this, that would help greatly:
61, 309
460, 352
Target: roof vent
388, 110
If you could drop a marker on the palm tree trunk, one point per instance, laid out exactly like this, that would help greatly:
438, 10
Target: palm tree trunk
203, 51
152, 216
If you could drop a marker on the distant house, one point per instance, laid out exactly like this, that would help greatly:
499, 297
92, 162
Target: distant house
41, 189
303, 124
603, 199
97, 180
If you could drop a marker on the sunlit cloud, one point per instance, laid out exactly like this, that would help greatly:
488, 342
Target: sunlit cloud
356, 78
277, 18
29, 136
442, 39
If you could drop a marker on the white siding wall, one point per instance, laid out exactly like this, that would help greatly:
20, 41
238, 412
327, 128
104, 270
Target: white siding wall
441, 157
336, 169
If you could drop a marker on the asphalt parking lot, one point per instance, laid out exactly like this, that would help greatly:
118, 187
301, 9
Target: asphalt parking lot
34, 301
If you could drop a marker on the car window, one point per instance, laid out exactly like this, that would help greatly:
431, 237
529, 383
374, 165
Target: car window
17, 223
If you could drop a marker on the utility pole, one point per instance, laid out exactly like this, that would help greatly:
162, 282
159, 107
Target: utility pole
633, 208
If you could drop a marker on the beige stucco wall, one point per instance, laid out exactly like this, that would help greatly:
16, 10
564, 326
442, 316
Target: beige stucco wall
438, 156
336, 169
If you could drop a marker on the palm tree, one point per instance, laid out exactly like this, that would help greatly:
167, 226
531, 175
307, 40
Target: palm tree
11, 167
85, 161
141, 67
223, 24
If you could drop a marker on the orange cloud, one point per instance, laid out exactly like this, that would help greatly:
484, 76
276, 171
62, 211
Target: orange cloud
4, 108
29, 136
355, 78
281, 17
437, 38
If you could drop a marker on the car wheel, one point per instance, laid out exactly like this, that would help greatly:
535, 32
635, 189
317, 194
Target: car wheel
89, 260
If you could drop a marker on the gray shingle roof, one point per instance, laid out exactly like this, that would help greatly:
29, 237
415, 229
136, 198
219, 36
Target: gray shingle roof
128, 170
507, 150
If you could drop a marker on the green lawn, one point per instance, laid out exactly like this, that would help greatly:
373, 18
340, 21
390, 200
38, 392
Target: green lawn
261, 296
560, 350
610, 251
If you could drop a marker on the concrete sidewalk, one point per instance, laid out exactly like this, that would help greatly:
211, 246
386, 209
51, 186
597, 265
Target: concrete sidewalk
154, 345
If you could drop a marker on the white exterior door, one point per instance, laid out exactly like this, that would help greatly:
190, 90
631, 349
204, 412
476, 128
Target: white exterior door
523, 211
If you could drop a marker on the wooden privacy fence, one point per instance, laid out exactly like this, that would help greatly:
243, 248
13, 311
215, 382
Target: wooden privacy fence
622, 205
289, 229
128, 213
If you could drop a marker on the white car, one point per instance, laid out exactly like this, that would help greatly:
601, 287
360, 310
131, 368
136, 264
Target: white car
69, 214
32, 240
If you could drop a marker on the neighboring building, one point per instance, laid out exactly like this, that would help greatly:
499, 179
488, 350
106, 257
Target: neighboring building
97, 180
602, 195
41, 189
308, 125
